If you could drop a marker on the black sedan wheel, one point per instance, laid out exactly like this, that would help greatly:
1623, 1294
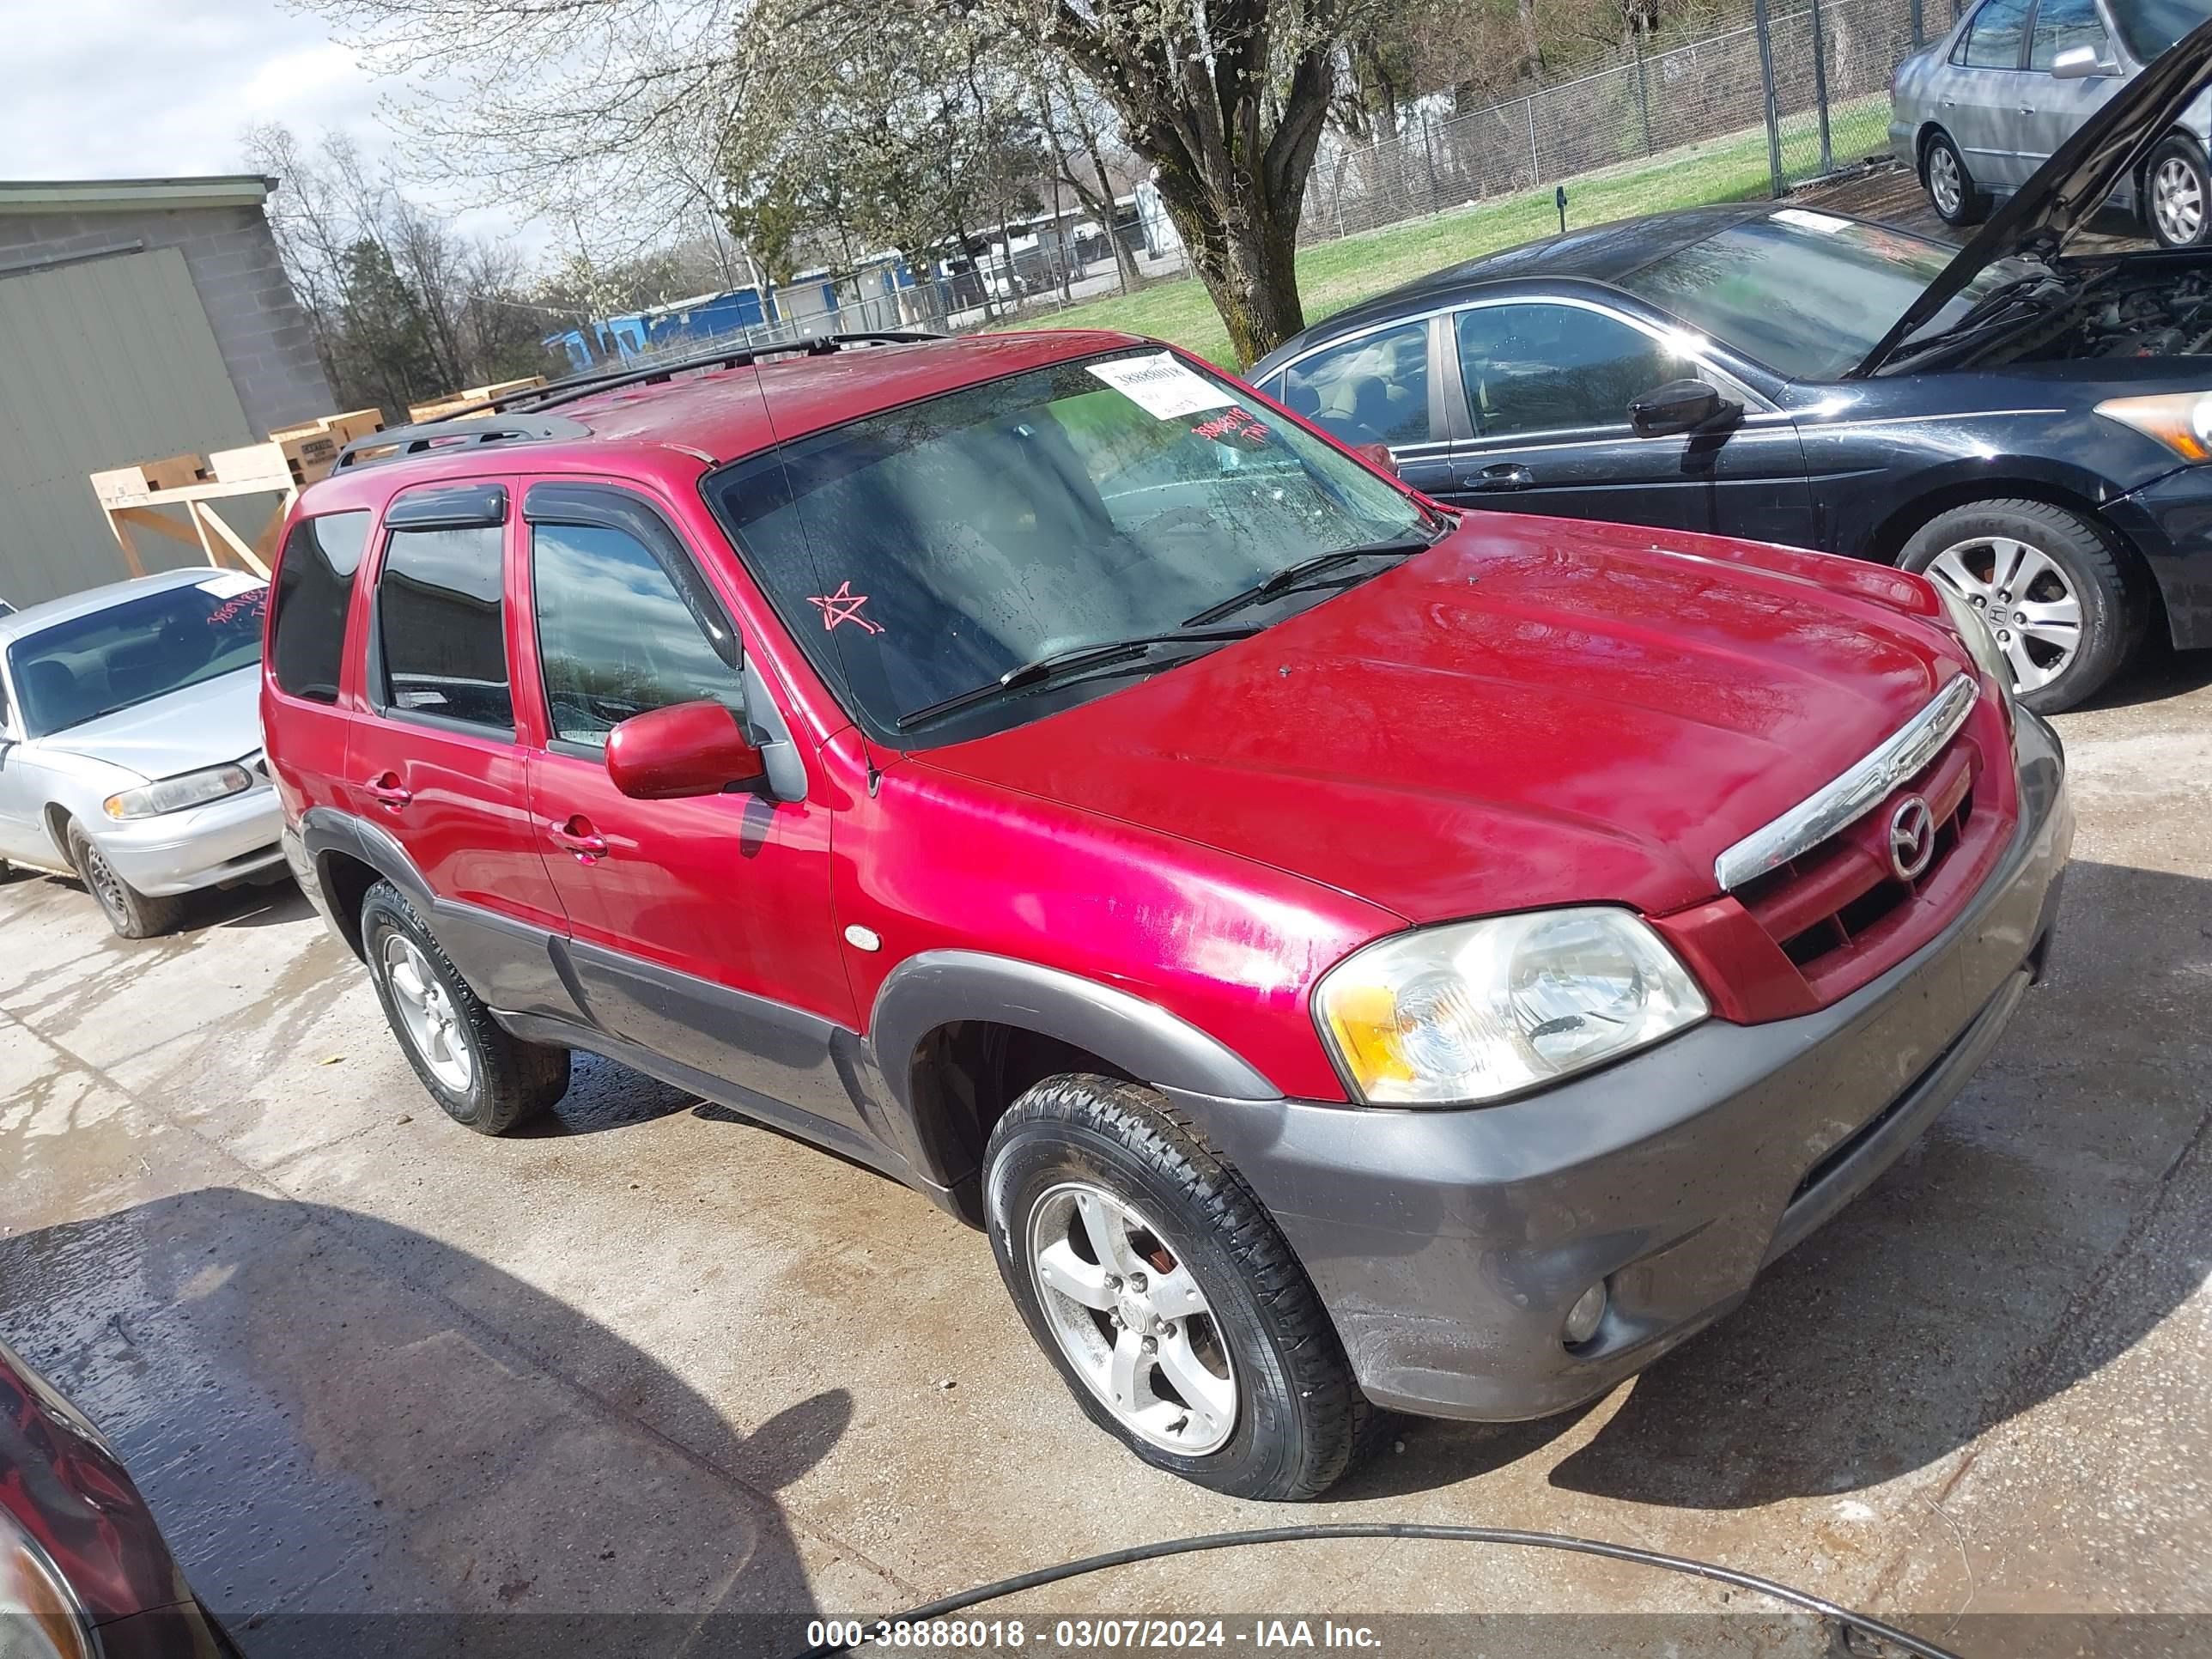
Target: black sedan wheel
1957, 198
2049, 583
2178, 193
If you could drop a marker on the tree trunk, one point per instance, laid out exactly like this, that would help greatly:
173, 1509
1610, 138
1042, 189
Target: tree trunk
1125, 260
1245, 251
1531, 49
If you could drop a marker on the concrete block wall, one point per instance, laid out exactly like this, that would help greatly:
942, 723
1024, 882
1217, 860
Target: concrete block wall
259, 325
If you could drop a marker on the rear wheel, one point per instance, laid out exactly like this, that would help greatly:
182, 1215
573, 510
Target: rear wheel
1958, 200
487, 1079
2049, 583
2178, 193
1171, 1303
131, 913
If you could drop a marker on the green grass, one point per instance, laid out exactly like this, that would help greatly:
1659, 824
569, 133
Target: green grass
1334, 275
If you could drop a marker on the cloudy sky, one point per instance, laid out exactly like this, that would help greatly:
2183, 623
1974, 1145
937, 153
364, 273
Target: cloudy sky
152, 88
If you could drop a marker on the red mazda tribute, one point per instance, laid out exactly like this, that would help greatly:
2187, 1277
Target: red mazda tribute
1346, 954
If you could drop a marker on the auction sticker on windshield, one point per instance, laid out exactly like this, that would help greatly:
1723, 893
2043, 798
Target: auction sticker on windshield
1161, 386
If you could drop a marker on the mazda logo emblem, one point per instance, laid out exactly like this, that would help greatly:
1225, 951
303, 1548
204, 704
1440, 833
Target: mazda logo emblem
1911, 838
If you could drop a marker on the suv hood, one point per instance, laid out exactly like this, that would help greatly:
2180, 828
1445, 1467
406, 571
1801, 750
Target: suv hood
2071, 186
1533, 712
203, 725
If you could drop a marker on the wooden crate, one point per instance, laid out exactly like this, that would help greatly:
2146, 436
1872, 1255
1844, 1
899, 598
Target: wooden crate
142, 478
438, 408
262, 464
311, 446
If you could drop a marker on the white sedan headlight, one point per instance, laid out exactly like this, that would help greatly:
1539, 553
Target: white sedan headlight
1973, 629
175, 795
40, 1617
1475, 1010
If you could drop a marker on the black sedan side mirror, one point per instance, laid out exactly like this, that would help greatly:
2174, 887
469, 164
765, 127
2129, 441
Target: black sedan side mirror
1681, 406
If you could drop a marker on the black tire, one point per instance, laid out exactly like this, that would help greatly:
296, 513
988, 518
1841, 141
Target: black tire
131, 913
509, 1081
2176, 198
1971, 202
1300, 1419
2093, 564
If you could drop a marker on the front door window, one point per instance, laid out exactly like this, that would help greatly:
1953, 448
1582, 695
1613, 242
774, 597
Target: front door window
1543, 368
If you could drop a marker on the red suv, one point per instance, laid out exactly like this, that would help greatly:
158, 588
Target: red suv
1346, 954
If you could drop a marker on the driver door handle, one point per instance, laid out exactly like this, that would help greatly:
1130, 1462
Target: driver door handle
1504, 475
386, 790
577, 835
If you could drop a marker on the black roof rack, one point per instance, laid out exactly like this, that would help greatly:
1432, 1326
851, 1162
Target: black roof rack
464, 431
820, 345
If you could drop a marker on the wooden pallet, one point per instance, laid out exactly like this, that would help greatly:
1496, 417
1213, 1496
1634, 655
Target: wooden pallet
438, 408
131, 497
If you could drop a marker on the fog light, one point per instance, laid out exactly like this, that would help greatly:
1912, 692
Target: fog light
1583, 1317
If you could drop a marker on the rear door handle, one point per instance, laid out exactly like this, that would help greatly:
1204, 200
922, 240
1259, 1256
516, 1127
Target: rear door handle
1505, 475
387, 791
578, 836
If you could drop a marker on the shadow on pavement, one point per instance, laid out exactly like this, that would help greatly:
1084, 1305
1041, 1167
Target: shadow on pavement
2058, 1210
358, 1439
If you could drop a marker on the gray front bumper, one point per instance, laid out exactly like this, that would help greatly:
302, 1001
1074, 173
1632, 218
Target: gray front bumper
1449, 1245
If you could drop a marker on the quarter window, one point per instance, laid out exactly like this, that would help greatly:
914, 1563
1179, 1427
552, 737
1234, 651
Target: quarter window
1992, 39
1554, 368
441, 626
314, 589
2060, 26
615, 634
1374, 390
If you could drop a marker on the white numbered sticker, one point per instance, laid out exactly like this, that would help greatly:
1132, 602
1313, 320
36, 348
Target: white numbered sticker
1826, 223
1161, 386
229, 583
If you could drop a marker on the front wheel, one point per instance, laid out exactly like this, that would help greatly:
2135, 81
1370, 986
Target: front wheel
1171, 1303
131, 913
2049, 582
2178, 193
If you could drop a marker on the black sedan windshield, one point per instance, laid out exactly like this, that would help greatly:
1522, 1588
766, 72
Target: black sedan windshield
929, 551
1806, 293
144, 647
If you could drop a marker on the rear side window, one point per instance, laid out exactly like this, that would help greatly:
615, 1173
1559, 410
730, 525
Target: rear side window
1993, 38
1374, 390
441, 627
315, 586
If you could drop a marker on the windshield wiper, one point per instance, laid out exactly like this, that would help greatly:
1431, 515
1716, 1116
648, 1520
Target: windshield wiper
1290, 575
1980, 314
1052, 666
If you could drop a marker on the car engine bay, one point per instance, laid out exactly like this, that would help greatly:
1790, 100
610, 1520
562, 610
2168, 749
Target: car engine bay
2116, 312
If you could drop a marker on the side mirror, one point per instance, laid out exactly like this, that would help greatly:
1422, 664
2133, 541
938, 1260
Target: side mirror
2080, 63
1679, 407
1377, 453
687, 748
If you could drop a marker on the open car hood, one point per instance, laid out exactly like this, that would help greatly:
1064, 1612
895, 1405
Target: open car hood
2070, 188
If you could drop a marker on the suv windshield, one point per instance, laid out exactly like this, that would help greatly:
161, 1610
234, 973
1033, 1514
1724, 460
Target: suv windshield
144, 647
1806, 294
932, 549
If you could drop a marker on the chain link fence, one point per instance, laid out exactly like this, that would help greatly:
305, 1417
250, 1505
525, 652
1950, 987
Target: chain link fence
1812, 78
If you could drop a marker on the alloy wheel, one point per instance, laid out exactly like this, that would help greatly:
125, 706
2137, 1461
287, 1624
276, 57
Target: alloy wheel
1943, 182
1131, 1320
426, 1014
2025, 598
2177, 197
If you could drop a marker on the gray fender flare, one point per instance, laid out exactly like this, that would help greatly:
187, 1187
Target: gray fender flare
323, 830
937, 988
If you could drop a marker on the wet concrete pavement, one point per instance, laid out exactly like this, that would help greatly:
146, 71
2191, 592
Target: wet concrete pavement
654, 1360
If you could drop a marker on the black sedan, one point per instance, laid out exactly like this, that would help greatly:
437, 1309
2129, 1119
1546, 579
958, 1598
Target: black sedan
2031, 426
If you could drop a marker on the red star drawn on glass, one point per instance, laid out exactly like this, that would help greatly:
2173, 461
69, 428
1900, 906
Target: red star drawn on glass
843, 606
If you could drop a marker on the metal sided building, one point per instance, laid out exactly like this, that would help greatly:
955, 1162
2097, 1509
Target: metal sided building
139, 318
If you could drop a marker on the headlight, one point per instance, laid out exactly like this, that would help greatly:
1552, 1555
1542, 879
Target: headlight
1973, 629
175, 794
2182, 421
1475, 1010
39, 1613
